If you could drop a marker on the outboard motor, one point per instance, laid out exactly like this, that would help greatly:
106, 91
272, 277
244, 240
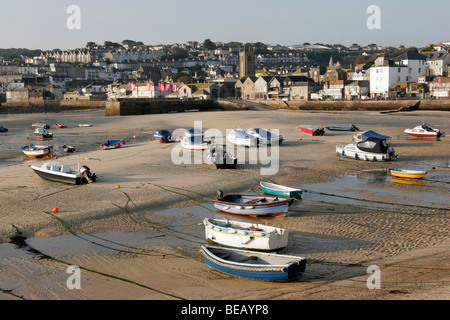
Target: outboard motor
219, 195
88, 177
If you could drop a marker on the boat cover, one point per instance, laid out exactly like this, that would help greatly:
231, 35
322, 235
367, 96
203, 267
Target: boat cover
373, 144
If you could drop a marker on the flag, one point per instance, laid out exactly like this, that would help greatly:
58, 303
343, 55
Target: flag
440, 81
174, 88
167, 87
149, 86
161, 88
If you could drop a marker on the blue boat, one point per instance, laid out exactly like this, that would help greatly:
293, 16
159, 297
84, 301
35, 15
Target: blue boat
112, 144
163, 136
254, 265
3, 129
342, 128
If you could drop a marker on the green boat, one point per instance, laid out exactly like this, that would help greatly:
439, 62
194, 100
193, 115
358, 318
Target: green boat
282, 191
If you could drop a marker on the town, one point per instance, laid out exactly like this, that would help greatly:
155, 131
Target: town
222, 71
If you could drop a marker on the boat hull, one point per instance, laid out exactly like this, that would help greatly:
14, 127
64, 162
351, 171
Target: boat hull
62, 177
254, 271
352, 152
411, 174
112, 144
33, 151
247, 205
281, 191
311, 131
242, 235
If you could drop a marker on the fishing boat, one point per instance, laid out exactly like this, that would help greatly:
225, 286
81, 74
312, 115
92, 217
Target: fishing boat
241, 138
245, 235
252, 205
68, 149
265, 137
424, 131
3, 129
279, 190
41, 125
311, 130
112, 144
408, 173
194, 143
36, 150
56, 171
342, 128
41, 133
162, 136
220, 157
254, 265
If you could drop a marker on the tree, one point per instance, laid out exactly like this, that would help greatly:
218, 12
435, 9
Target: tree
91, 45
209, 45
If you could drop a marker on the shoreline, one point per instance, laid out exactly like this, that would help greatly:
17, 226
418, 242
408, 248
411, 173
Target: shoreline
329, 233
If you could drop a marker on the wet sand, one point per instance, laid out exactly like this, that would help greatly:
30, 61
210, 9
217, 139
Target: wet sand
136, 232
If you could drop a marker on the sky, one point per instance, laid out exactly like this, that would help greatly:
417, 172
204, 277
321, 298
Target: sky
43, 24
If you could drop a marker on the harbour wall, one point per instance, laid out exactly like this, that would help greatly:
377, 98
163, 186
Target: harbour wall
151, 106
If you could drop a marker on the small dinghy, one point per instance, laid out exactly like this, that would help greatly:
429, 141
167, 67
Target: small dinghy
252, 205
241, 138
311, 130
219, 157
194, 143
68, 149
245, 235
408, 173
342, 128
59, 125
162, 136
36, 150
265, 137
41, 133
56, 171
3, 129
254, 265
112, 144
279, 190
40, 125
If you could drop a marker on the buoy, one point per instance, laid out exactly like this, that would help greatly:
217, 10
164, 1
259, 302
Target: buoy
55, 210
118, 186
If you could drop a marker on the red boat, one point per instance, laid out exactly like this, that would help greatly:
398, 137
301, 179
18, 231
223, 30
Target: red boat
59, 125
311, 130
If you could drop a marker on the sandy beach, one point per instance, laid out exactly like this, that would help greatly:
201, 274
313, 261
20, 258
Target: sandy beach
137, 231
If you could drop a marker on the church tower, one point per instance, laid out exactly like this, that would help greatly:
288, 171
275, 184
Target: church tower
247, 63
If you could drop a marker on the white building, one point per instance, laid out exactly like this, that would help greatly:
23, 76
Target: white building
388, 71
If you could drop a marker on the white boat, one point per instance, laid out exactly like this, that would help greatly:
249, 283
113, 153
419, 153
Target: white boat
253, 205
368, 151
424, 131
57, 171
219, 157
85, 125
194, 143
41, 133
262, 266
245, 235
241, 138
265, 137
36, 150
